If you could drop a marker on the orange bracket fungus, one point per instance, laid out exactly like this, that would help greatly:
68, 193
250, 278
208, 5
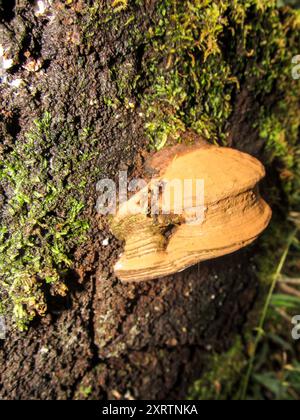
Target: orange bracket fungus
201, 202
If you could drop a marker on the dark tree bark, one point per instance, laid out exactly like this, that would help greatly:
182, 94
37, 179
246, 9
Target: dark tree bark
107, 339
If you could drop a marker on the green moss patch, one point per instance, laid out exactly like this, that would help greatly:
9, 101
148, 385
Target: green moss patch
42, 221
202, 52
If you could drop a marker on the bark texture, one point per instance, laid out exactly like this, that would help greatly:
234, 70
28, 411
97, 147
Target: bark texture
106, 339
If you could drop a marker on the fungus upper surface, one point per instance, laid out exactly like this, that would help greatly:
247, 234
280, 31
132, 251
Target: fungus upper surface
165, 243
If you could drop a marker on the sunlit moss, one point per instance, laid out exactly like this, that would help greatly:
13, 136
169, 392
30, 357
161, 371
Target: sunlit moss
201, 53
41, 221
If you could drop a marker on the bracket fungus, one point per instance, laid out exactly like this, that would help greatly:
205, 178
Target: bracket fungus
229, 215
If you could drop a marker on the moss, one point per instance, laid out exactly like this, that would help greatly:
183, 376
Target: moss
119, 5
191, 81
201, 52
42, 220
279, 124
221, 376
84, 392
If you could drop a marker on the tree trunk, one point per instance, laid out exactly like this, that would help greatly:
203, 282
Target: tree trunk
86, 64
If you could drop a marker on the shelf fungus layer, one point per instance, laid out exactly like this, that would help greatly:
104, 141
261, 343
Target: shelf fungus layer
206, 204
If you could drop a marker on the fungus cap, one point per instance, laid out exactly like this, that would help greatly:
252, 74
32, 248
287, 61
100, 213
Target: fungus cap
234, 212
